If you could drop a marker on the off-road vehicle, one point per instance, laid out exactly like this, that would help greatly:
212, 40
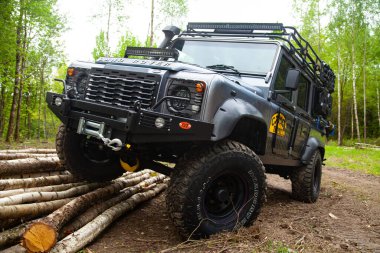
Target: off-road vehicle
224, 102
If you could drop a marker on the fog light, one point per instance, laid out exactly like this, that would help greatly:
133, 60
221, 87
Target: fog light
160, 122
58, 101
195, 108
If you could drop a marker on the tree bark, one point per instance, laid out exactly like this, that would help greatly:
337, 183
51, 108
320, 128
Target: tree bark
151, 24
37, 174
34, 209
8, 184
364, 88
30, 165
378, 102
2, 109
90, 231
16, 135
13, 156
13, 235
49, 188
339, 99
16, 88
48, 227
15, 249
97, 209
30, 150
29, 197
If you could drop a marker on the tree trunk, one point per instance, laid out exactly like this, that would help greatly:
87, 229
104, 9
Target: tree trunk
378, 102
29, 165
49, 188
151, 24
47, 229
16, 88
354, 93
16, 135
364, 88
339, 99
28, 113
34, 209
2, 109
8, 184
33, 197
13, 156
108, 27
42, 85
37, 174
30, 150
12, 236
15, 249
90, 231
45, 122
97, 209
352, 122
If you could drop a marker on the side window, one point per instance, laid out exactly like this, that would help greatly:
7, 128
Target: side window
303, 92
279, 84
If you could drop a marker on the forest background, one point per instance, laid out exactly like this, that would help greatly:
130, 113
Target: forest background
345, 33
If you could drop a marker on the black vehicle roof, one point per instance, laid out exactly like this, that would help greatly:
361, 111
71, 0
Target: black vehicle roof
299, 49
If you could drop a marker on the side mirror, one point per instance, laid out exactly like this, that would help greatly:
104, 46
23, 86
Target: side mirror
292, 78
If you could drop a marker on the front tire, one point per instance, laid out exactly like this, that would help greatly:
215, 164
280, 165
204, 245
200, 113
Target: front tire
216, 189
306, 180
87, 158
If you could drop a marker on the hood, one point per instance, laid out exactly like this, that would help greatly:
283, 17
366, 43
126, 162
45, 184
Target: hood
155, 64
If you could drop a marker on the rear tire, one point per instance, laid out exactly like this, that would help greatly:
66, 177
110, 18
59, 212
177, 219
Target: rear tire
306, 180
214, 189
87, 158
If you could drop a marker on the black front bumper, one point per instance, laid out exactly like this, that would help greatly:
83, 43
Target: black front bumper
130, 126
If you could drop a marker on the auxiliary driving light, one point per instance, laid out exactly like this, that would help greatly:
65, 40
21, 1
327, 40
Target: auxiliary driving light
159, 122
58, 101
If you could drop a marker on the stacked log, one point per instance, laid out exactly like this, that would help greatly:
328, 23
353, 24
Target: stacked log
45, 208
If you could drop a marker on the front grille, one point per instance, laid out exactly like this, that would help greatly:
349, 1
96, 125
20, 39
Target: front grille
121, 88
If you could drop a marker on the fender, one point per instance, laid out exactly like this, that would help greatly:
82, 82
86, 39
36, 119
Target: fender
229, 114
313, 144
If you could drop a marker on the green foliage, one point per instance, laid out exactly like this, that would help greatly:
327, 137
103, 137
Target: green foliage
347, 31
364, 160
172, 12
101, 49
29, 35
126, 40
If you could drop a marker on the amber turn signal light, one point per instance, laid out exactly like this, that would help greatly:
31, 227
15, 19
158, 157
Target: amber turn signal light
70, 71
185, 125
200, 87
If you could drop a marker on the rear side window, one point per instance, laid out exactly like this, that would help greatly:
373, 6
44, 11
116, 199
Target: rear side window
303, 92
281, 77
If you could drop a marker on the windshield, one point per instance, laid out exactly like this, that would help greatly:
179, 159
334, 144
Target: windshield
244, 57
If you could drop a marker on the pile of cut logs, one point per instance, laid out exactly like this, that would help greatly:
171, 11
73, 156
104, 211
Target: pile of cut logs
44, 208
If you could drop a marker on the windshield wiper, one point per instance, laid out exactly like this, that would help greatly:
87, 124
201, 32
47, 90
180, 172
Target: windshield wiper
223, 67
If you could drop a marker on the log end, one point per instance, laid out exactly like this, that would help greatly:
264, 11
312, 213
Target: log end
39, 237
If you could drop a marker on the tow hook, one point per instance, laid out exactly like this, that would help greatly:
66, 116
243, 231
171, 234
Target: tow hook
114, 144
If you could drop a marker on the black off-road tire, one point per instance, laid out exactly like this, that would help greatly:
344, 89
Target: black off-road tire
306, 180
93, 165
202, 181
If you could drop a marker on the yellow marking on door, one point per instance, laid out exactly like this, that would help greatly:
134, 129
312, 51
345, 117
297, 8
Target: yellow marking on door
278, 120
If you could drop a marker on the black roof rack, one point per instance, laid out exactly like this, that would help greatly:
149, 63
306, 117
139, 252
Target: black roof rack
297, 45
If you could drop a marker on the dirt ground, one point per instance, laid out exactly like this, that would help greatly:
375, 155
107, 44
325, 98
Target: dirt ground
346, 218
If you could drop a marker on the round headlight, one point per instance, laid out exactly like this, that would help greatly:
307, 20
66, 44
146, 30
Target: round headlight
58, 101
81, 83
181, 92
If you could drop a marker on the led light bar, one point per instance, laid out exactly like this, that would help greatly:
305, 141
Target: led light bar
151, 52
234, 26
